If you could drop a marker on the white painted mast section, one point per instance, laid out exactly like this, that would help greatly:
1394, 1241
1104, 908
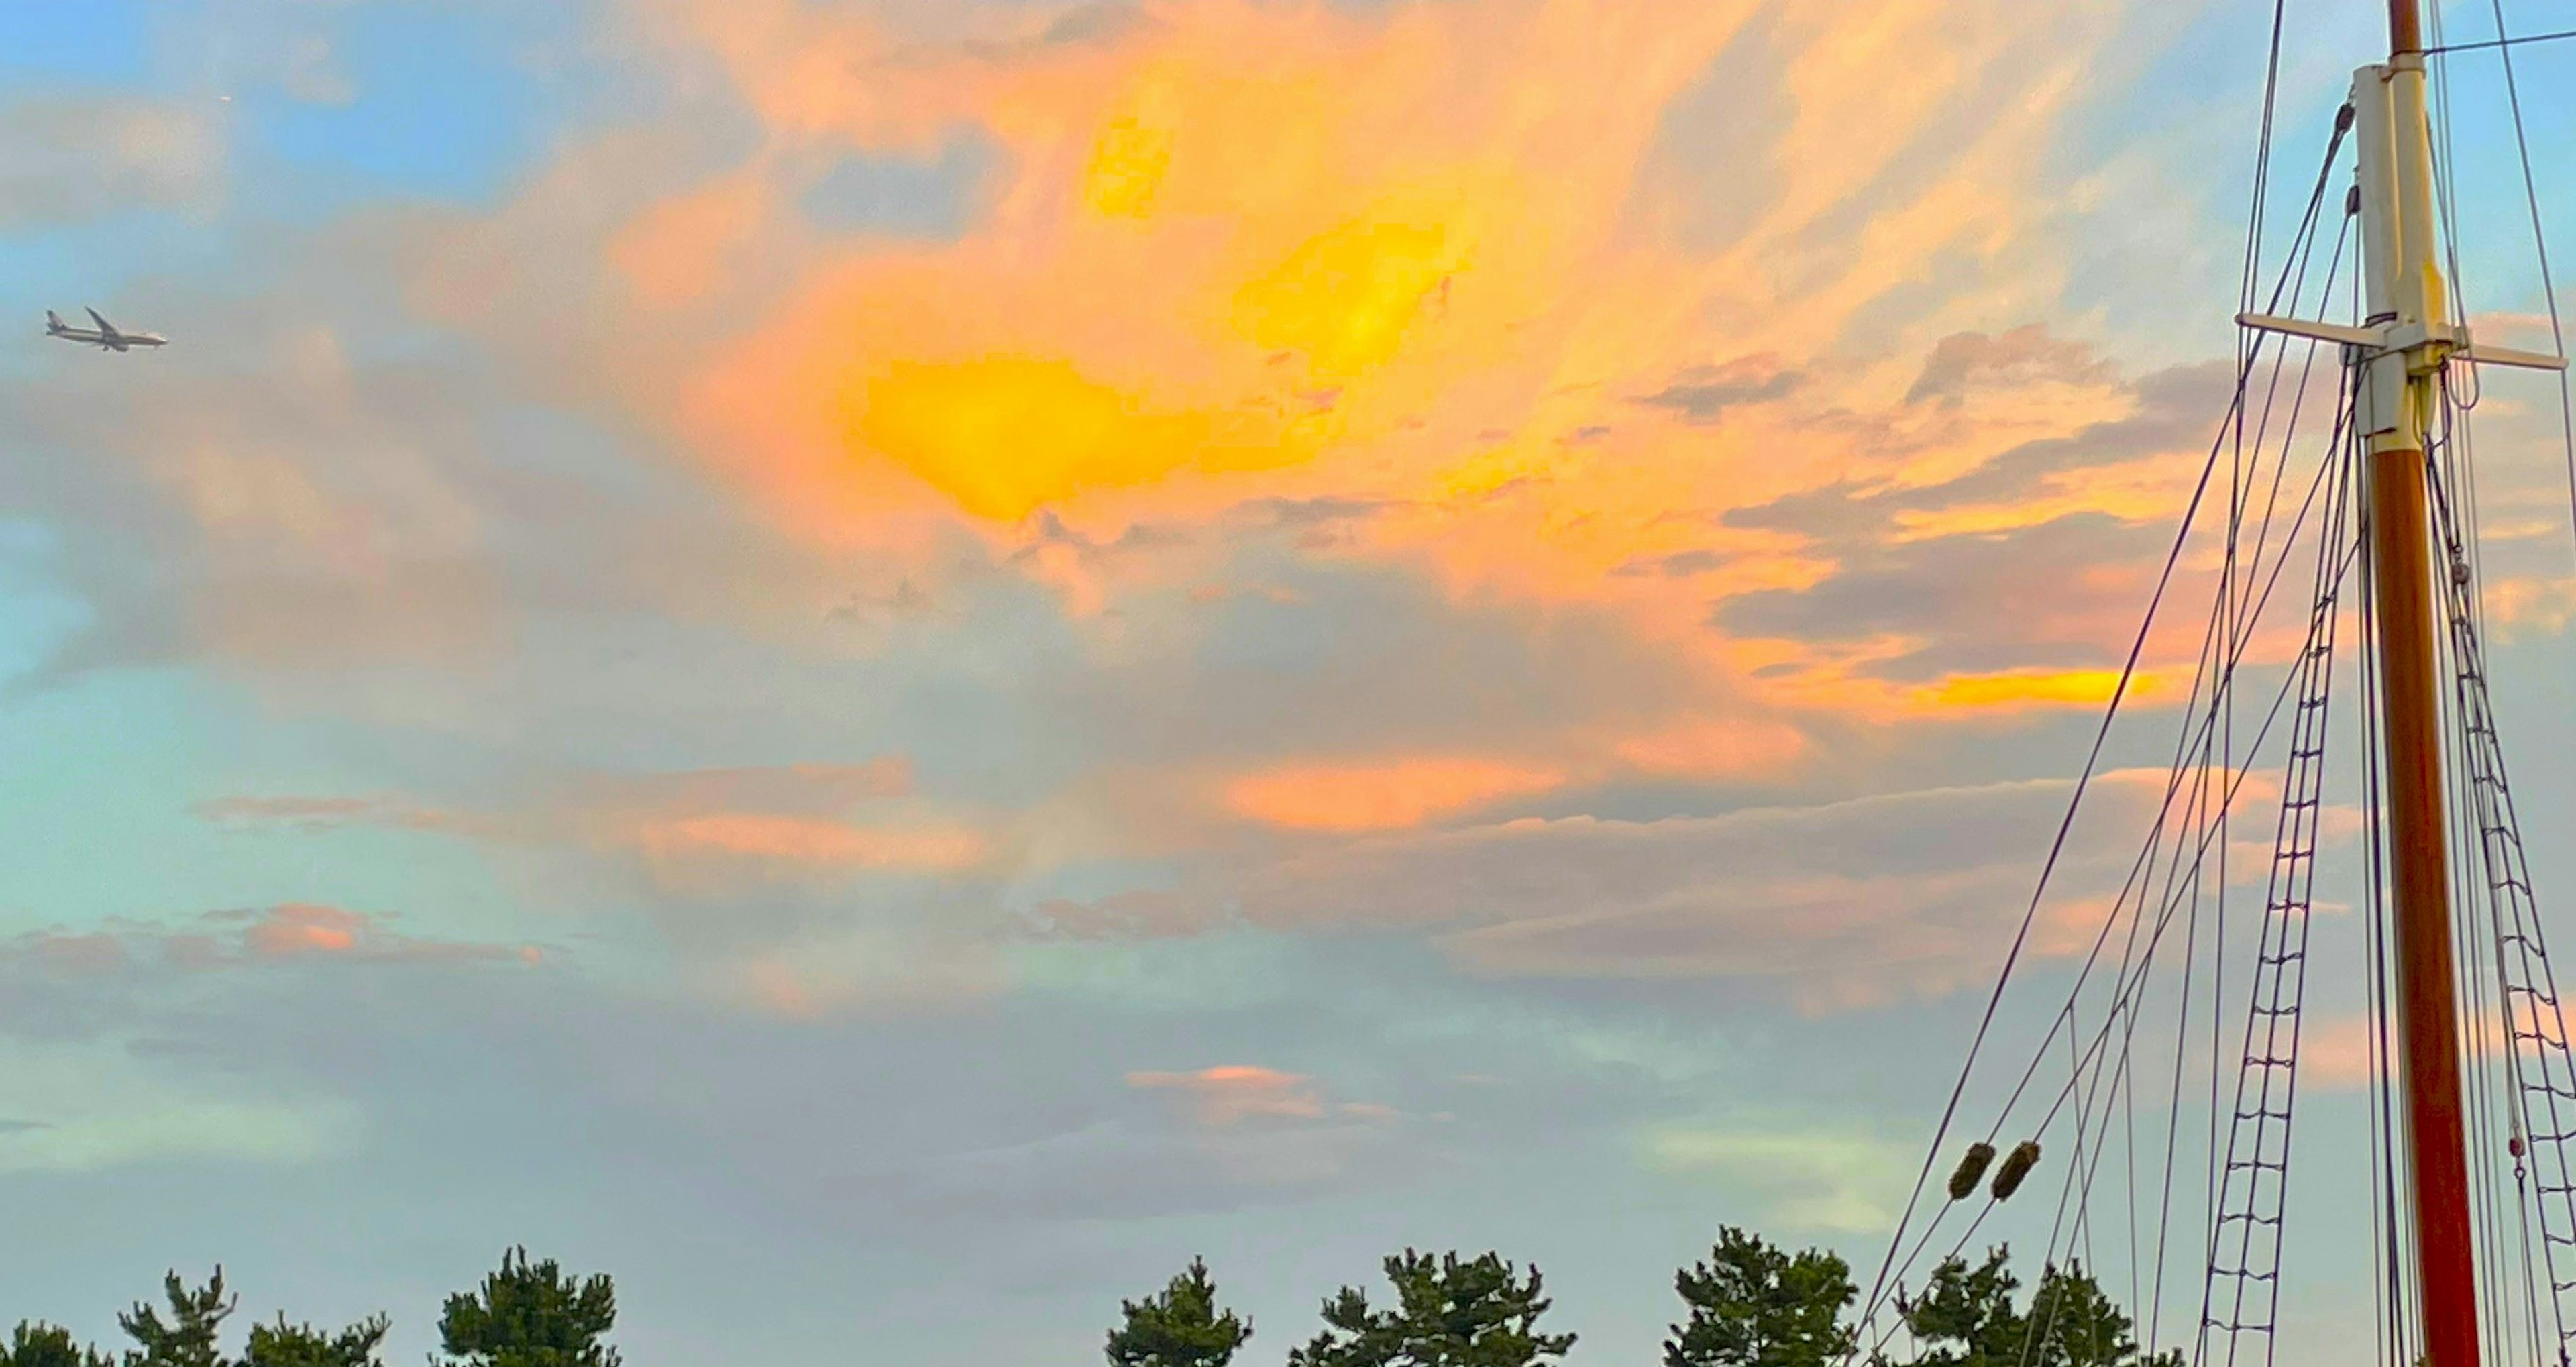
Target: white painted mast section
2407, 336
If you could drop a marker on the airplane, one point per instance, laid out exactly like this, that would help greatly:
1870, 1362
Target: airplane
104, 336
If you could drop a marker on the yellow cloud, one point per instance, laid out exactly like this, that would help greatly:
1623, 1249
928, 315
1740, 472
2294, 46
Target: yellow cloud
2037, 688
1127, 168
1009, 434
1345, 299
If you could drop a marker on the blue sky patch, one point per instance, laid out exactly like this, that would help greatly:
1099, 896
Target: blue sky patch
92, 41
905, 197
443, 110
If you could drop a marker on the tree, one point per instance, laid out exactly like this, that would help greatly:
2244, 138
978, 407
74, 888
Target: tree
1966, 1318
302, 1345
188, 1338
192, 1336
1178, 1327
1448, 1314
1752, 1304
2082, 1327
48, 1345
531, 1315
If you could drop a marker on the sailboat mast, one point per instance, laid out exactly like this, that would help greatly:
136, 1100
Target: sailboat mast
2399, 394
2405, 28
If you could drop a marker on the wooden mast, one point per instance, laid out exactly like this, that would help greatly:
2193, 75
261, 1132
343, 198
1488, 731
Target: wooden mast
2405, 28
2399, 399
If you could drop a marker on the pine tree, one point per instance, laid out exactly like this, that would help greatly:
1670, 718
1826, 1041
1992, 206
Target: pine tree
1448, 1313
1966, 1318
302, 1345
1752, 1304
1179, 1327
2079, 1326
531, 1315
34, 1344
188, 1338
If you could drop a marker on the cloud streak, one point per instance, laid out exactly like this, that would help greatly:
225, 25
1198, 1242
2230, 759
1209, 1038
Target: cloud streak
286, 933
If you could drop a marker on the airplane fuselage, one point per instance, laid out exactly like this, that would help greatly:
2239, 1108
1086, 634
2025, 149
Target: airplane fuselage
122, 341
106, 336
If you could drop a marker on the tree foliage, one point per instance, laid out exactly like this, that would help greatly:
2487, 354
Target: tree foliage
1178, 1327
2082, 1327
35, 1344
1448, 1313
1966, 1317
191, 1336
531, 1315
1753, 1304
301, 1345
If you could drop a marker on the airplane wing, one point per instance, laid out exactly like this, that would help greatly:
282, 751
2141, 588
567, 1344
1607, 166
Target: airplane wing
104, 326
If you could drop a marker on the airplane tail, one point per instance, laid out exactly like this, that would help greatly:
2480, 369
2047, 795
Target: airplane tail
53, 321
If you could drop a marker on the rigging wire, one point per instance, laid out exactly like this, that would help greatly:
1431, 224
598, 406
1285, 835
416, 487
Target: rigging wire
2130, 984
2509, 899
2288, 899
2102, 1078
2504, 45
2188, 744
2500, 44
2482, 804
2450, 468
2119, 692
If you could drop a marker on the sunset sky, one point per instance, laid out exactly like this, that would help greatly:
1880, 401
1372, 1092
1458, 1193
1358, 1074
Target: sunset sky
886, 664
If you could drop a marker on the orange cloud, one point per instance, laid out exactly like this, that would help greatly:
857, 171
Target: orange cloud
797, 818
1721, 748
1230, 1095
1385, 796
297, 928
2335, 1052
1433, 257
2537, 605
808, 841
1483, 268
684, 250
1229, 207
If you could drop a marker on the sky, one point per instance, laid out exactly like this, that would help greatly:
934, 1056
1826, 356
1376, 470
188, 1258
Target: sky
885, 665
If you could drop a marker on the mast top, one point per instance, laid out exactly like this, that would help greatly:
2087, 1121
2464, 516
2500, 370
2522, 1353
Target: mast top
2405, 28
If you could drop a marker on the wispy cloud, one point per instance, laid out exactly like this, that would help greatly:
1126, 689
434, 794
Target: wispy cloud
1403, 793
66, 160
686, 824
290, 931
1232, 1094
78, 1107
1822, 1179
